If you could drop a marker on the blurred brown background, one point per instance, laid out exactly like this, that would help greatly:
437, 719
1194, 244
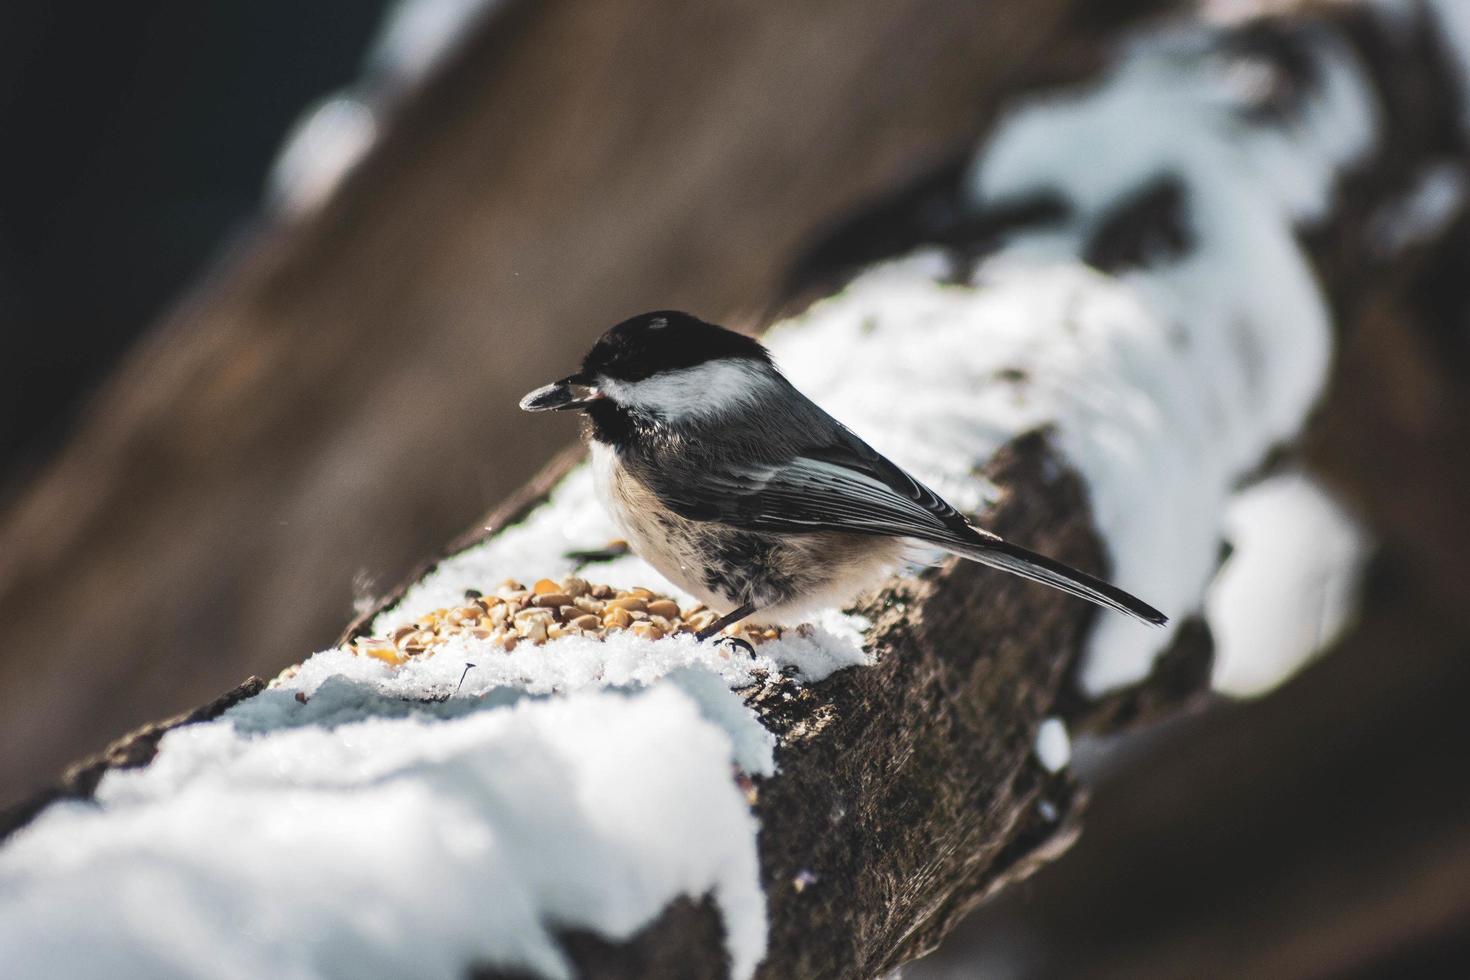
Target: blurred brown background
138, 138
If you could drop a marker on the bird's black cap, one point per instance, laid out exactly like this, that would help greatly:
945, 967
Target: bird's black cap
664, 340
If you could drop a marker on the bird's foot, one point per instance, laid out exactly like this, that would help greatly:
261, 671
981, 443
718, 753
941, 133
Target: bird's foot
725, 639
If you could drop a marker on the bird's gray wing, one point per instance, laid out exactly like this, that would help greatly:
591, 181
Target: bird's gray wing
846, 485
841, 485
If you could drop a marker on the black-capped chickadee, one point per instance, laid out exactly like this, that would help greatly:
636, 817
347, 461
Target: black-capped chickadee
742, 492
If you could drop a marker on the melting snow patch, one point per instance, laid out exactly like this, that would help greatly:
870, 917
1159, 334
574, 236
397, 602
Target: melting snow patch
1053, 747
1289, 587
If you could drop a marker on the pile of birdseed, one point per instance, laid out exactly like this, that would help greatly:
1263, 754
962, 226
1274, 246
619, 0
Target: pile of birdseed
514, 614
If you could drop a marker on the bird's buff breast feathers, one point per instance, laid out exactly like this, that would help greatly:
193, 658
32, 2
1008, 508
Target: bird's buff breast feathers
787, 576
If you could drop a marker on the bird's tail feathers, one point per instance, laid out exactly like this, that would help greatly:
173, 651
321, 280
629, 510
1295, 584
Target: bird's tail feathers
1048, 571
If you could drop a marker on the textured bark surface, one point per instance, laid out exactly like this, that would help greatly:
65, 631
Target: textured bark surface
677, 944
908, 790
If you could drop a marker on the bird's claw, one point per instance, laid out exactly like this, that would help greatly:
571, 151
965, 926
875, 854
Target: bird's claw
737, 642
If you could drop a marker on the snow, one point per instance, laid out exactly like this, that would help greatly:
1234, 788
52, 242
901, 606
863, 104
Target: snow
1290, 585
1053, 746
1227, 348
704, 672
358, 835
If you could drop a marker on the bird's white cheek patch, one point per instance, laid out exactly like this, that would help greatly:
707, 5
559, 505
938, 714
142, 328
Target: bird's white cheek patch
713, 388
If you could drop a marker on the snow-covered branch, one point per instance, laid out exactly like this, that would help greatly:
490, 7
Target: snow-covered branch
1095, 384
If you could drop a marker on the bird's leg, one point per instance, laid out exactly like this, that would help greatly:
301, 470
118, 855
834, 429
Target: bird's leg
729, 619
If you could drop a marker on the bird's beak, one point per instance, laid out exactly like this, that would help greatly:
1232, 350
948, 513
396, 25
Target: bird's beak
560, 396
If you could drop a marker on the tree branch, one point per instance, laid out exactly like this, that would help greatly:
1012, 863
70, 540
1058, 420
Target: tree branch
909, 789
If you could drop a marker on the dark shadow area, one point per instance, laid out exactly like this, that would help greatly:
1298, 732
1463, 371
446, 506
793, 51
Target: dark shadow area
137, 139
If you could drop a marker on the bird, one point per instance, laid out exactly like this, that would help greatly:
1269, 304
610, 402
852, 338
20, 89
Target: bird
742, 492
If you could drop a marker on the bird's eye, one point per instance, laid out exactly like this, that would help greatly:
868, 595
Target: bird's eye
658, 323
